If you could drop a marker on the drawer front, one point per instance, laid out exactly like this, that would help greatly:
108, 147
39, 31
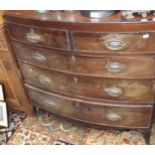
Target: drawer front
42, 57
107, 66
114, 66
122, 116
113, 42
51, 38
89, 87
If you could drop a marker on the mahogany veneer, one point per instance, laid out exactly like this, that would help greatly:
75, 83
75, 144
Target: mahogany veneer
99, 72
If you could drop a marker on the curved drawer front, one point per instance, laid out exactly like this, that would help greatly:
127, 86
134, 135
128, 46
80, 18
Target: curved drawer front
113, 42
107, 66
42, 57
51, 38
97, 88
114, 66
123, 116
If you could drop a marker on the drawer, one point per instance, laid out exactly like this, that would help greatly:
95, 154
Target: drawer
121, 43
42, 57
111, 115
107, 66
130, 67
89, 87
51, 38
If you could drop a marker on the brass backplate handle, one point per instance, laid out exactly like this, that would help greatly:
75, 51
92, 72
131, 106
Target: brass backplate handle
38, 57
32, 37
114, 91
115, 67
114, 44
113, 116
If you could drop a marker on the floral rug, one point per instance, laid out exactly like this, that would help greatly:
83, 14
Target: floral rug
46, 129
14, 120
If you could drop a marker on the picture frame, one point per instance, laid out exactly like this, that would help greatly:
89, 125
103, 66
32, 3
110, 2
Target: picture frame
3, 114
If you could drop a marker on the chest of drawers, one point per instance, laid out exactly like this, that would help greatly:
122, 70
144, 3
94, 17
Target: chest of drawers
100, 73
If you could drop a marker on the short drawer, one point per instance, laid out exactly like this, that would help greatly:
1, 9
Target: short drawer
111, 115
42, 57
43, 37
113, 42
89, 87
107, 66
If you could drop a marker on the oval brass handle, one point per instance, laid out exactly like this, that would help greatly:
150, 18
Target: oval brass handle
115, 67
38, 57
49, 102
114, 44
114, 91
32, 37
113, 116
44, 79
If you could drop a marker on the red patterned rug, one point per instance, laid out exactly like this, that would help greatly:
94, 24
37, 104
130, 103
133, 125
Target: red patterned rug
47, 129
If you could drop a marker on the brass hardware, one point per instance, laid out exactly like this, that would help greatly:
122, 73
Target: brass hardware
115, 67
33, 37
113, 116
114, 44
38, 57
49, 102
44, 79
114, 91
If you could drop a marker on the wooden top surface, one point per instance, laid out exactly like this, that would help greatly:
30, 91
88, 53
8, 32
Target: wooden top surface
75, 21
76, 17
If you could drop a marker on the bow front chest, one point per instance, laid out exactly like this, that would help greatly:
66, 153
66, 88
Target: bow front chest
99, 72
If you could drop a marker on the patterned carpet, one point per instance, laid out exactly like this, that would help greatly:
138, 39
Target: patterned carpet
46, 129
14, 120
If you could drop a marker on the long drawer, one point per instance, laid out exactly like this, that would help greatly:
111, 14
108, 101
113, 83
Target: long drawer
89, 87
114, 115
120, 43
43, 37
107, 66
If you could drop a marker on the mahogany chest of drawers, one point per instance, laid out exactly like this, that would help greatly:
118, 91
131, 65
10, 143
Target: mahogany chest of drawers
99, 72
14, 91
